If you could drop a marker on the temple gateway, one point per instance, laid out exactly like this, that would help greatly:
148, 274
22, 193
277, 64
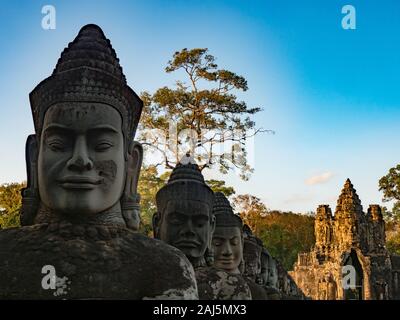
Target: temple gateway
349, 260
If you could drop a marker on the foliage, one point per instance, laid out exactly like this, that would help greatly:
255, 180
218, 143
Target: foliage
219, 186
284, 234
251, 209
149, 183
212, 123
10, 204
393, 237
390, 185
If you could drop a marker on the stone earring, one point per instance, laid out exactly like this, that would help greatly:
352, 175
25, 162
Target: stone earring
130, 201
30, 194
131, 211
209, 254
241, 266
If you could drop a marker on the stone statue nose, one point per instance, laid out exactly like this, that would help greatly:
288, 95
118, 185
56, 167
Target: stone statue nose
188, 229
227, 250
80, 159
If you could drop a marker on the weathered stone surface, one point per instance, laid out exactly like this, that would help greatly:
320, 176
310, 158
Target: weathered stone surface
349, 238
216, 284
228, 247
127, 265
185, 220
80, 207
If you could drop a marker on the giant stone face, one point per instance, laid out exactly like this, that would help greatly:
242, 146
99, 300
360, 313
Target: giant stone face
186, 226
81, 166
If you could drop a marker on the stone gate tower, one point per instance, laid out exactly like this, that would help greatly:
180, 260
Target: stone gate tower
348, 240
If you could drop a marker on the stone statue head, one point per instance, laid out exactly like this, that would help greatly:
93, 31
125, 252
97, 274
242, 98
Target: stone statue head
265, 258
184, 216
251, 254
228, 236
83, 161
272, 274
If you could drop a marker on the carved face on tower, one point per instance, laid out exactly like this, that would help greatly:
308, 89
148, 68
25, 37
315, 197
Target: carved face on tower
85, 119
184, 218
81, 158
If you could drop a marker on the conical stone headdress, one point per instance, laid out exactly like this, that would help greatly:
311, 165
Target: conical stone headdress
186, 183
88, 71
223, 212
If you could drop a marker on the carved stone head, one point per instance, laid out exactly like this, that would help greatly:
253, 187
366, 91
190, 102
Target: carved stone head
83, 162
272, 274
265, 258
228, 236
251, 254
184, 216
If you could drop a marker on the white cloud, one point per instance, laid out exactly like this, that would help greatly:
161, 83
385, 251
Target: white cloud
321, 178
298, 198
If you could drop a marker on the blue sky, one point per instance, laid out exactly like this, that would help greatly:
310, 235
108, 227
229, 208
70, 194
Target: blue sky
332, 95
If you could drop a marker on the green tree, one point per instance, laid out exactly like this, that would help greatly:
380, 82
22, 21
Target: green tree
286, 234
393, 243
390, 185
10, 204
251, 209
150, 182
219, 186
204, 104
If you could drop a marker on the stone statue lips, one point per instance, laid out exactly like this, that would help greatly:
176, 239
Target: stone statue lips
79, 182
187, 244
226, 261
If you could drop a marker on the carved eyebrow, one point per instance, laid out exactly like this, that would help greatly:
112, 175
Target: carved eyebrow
104, 127
60, 127
219, 238
57, 127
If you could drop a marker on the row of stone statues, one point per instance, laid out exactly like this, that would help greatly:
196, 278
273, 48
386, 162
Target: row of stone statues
80, 211
229, 261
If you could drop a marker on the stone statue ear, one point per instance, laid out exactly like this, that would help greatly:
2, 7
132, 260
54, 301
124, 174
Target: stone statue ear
130, 198
209, 254
156, 219
212, 225
30, 194
134, 163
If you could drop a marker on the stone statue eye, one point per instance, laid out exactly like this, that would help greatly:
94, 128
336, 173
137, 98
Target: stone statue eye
175, 219
200, 221
217, 243
56, 144
235, 241
103, 146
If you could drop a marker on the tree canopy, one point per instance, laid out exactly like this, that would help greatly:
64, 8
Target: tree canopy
390, 185
10, 204
201, 115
